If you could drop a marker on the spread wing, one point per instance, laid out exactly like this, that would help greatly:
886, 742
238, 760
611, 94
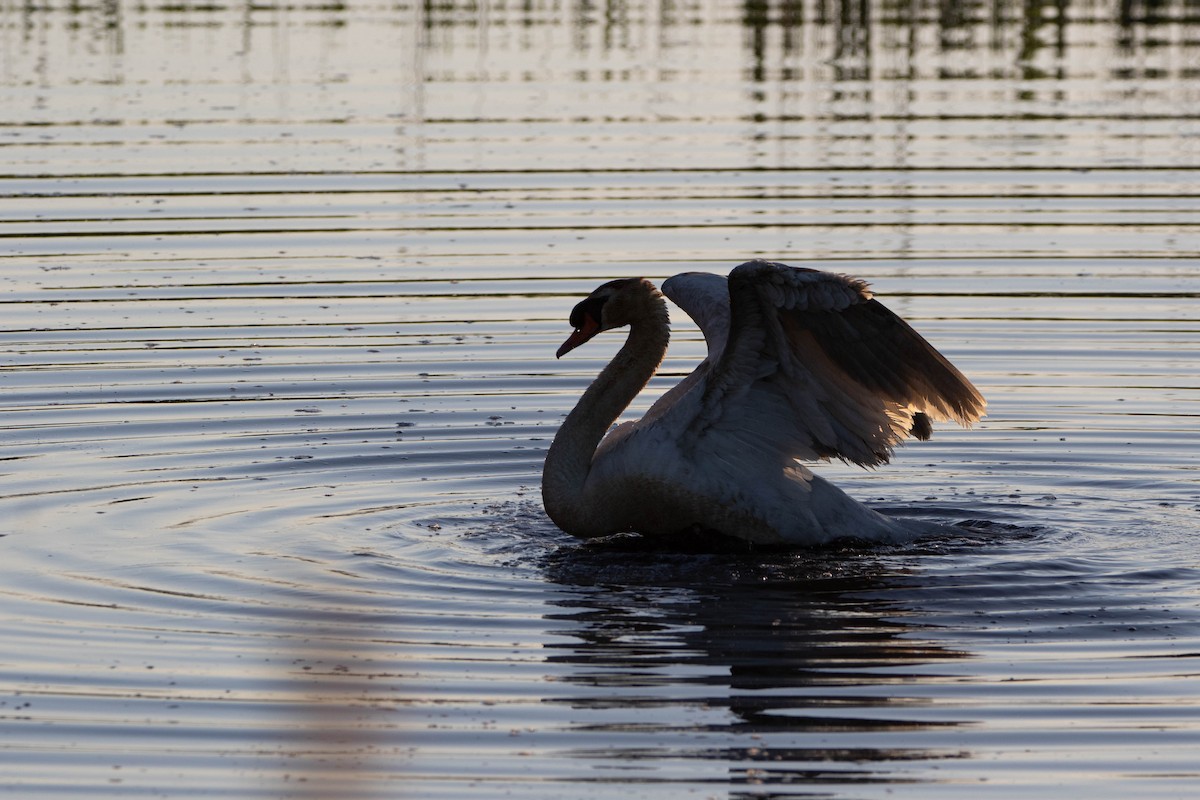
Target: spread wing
705, 298
812, 366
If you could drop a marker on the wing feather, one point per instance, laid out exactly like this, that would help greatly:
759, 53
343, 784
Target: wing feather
813, 359
705, 298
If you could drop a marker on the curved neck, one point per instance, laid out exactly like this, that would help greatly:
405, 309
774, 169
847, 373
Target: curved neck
569, 459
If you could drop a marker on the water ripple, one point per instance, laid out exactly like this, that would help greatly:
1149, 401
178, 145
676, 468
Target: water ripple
281, 293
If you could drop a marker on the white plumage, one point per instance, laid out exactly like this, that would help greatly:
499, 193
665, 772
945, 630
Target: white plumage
802, 365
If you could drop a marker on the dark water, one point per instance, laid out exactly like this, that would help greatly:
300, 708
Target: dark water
282, 288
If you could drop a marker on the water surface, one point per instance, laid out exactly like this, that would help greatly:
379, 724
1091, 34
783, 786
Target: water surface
282, 288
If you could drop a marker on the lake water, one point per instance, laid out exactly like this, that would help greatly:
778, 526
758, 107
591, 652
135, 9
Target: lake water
282, 286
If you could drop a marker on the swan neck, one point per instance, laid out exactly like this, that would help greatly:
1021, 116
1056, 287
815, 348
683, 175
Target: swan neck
569, 460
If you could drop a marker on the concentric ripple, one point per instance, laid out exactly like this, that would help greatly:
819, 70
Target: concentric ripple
282, 288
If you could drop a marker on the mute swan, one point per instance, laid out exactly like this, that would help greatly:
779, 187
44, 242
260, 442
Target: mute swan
801, 364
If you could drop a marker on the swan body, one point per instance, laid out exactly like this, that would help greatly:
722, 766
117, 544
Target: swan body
802, 365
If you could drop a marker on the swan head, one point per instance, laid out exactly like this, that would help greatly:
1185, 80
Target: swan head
612, 305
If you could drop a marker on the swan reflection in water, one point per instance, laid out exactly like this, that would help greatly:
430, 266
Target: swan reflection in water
802, 365
790, 668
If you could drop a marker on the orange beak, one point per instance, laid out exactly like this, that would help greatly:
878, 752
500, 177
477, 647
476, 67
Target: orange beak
589, 329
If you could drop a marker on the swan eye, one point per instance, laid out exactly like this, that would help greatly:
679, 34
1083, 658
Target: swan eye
591, 307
